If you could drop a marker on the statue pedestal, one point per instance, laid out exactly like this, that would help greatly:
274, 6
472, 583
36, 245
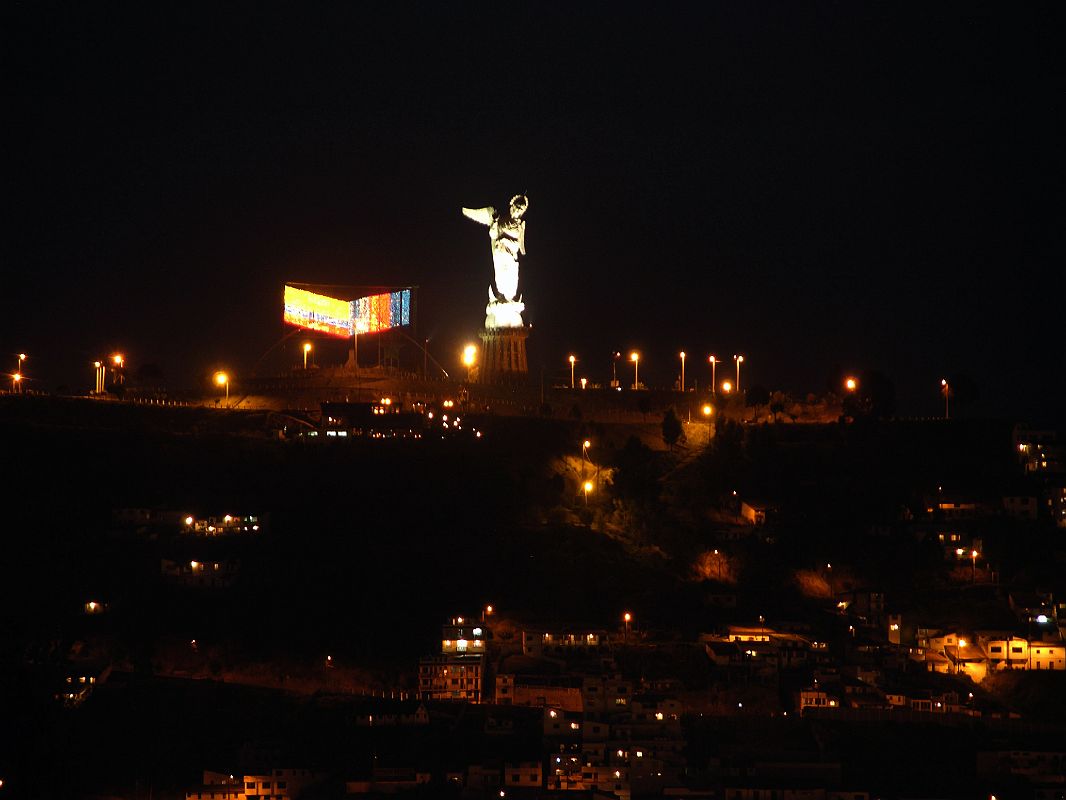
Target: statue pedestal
504, 315
503, 355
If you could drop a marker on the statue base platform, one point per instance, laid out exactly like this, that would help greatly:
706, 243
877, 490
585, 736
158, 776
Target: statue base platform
503, 358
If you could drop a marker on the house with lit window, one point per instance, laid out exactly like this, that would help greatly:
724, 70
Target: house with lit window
559, 691
279, 784
539, 643
606, 694
451, 677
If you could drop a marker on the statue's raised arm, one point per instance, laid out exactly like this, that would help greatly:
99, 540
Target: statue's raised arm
483, 215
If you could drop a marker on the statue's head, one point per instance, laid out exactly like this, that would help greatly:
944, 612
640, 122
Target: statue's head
519, 204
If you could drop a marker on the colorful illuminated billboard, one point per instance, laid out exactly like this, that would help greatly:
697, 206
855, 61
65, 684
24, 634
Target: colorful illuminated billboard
317, 312
336, 317
379, 312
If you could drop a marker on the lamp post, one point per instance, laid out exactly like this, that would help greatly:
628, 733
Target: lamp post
727, 387
614, 369
973, 560
714, 363
18, 370
850, 384
635, 358
682, 354
307, 349
16, 383
739, 360
469, 359
572, 361
222, 379
627, 618
117, 360
587, 486
945, 389
100, 369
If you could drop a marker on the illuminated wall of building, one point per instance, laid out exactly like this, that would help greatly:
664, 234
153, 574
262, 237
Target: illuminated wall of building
316, 312
380, 312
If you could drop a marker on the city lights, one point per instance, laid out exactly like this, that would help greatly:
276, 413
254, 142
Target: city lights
469, 355
306, 349
635, 358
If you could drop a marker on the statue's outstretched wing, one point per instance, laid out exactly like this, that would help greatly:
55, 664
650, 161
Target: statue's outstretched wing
482, 215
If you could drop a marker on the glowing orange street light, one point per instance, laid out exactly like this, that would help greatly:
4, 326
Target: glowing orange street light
222, 379
469, 357
727, 387
739, 360
945, 389
16, 380
682, 354
118, 360
627, 618
851, 384
572, 361
307, 349
587, 486
708, 409
635, 358
714, 363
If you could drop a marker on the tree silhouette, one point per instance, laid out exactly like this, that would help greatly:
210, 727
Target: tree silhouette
672, 430
878, 394
757, 396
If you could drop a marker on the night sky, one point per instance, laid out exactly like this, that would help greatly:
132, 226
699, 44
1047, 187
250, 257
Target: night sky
856, 186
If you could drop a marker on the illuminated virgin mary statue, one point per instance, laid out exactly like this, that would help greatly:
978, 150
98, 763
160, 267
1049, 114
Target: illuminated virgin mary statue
507, 238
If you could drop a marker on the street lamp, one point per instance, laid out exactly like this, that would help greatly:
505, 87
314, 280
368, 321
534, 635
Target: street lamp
739, 360
973, 559
117, 360
22, 357
587, 486
727, 387
572, 361
307, 349
99, 368
945, 389
222, 379
614, 369
851, 384
469, 358
635, 358
714, 363
682, 354
16, 381
627, 618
